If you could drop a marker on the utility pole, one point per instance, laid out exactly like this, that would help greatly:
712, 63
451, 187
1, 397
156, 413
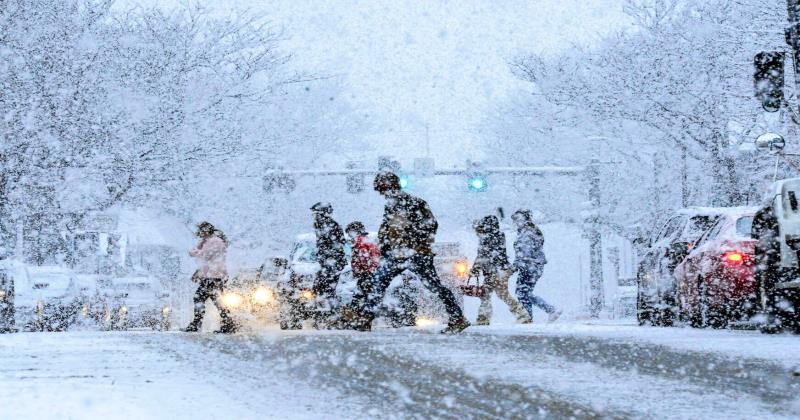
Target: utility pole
592, 229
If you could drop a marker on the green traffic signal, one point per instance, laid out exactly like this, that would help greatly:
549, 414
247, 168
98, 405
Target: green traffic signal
477, 183
404, 182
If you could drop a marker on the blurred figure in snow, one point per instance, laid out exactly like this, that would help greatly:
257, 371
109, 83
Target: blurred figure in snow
364, 260
405, 238
529, 262
492, 263
330, 254
211, 273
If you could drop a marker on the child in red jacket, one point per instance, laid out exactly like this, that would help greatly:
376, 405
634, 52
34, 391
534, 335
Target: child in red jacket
366, 257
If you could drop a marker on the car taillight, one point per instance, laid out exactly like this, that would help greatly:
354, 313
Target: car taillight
735, 257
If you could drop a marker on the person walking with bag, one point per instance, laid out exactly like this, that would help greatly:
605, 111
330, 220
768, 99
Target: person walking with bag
529, 260
492, 262
405, 238
210, 254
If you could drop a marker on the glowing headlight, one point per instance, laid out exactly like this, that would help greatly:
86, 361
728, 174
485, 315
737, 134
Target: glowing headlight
231, 299
85, 310
165, 312
307, 294
123, 310
425, 322
461, 269
263, 296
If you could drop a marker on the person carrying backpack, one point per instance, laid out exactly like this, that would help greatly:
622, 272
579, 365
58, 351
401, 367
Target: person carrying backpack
405, 239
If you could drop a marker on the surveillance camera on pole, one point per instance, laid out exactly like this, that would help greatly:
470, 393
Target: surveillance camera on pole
768, 79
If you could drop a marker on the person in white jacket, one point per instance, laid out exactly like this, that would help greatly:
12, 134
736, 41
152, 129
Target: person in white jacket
210, 254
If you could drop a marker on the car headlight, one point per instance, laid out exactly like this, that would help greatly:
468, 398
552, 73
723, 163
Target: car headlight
123, 310
461, 268
425, 322
165, 312
307, 294
231, 299
263, 296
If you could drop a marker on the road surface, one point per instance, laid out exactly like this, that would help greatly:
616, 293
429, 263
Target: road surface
578, 371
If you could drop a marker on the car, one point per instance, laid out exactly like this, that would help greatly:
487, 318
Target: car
7, 323
136, 302
655, 285
44, 298
252, 295
716, 281
779, 280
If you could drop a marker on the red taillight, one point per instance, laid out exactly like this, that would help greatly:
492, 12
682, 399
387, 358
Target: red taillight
734, 257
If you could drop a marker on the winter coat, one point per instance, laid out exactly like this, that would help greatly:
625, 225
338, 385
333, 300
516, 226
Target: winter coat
529, 247
408, 226
330, 243
210, 255
492, 254
366, 256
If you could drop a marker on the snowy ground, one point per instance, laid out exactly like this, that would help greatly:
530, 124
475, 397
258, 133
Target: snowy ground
560, 370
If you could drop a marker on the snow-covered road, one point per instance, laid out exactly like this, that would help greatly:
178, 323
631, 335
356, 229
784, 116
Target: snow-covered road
562, 370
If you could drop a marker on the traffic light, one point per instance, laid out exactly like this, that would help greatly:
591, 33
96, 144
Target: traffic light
279, 182
477, 183
355, 181
768, 79
476, 178
404, 182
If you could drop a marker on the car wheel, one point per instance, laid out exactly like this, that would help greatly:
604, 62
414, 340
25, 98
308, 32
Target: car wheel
698, 312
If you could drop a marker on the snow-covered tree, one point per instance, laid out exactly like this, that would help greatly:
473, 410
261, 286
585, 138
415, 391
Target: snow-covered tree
667, 103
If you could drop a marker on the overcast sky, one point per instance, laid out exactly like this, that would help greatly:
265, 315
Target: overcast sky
437, 63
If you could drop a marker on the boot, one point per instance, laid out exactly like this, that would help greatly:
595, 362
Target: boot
524, 318
193, 327
455, 327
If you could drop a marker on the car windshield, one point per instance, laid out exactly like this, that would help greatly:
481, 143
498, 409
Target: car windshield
305, 252
744, 226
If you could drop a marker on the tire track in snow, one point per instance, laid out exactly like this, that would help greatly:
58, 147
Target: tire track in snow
394, 385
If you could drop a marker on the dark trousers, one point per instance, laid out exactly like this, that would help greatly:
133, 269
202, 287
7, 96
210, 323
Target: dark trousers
526, 281
364, 283
209, 289
423, 267
325, 293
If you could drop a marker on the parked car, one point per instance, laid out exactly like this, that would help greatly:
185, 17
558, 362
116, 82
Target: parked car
44, 298
656, 302
778, 283
716, 281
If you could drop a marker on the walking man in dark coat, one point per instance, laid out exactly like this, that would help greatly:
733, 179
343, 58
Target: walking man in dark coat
405, 238
330, 254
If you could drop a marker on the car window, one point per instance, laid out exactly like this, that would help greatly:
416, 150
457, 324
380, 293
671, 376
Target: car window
697, 226
670, 228
744, 226
713, 232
